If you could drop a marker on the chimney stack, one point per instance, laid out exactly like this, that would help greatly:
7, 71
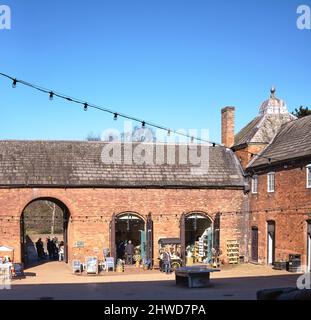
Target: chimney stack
227, 126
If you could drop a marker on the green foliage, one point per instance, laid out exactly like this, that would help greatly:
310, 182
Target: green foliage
301, 112
93, 137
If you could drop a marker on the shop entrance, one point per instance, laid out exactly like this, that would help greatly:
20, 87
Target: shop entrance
43, 219
130, 226
197, 238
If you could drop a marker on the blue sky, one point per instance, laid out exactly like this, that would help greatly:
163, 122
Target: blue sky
174, 62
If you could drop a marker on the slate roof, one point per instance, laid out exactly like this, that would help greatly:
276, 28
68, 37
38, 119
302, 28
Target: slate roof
292, 141
78, 164
246, 134
262, 129
272, 115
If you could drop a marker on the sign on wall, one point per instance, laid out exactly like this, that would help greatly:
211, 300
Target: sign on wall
79, 244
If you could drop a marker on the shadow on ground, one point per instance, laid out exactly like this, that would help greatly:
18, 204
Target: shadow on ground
220, 289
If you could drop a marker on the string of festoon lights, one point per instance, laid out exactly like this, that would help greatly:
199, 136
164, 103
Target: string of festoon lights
156, 216
116, 114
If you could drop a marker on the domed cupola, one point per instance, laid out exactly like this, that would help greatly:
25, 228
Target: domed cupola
273, 105
260, 131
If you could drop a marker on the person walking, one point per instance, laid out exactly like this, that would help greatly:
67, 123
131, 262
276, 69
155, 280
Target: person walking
129, 252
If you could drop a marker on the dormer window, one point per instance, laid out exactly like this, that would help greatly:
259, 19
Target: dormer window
309, 176
271, 181
255, 184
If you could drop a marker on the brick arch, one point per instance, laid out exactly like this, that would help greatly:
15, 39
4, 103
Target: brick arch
199, 212
66, 219
59, 200
131, 212
182, 229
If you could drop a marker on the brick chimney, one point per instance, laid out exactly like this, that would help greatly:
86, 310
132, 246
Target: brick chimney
227, 126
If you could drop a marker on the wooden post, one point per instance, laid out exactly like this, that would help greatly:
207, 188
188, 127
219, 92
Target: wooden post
183, 238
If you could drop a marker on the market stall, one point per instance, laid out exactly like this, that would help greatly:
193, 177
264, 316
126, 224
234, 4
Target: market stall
199, 240
6, 253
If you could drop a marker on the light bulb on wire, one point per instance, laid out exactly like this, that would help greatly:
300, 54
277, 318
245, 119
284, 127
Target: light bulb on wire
14, 83
51, 95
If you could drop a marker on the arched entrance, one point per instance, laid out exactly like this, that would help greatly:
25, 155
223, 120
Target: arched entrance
44, 218
131, 226
196, 237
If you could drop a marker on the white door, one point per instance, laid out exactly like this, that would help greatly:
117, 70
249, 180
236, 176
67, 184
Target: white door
309, 254
270, 249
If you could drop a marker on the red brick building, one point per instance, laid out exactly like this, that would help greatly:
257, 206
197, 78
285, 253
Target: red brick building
266, 207
104, 202
280, 197
280, 187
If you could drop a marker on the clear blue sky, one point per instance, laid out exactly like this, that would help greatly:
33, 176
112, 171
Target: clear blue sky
174, 62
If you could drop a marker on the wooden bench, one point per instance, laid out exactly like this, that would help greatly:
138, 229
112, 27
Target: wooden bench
194, 277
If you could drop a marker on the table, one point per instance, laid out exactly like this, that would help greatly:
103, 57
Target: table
194, 277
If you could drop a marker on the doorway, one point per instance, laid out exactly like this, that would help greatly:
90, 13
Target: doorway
254, 244
130, 226
44, 219
271, 243
309, 246
197, 238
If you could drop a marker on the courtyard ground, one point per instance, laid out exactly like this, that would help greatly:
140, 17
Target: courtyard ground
54, 280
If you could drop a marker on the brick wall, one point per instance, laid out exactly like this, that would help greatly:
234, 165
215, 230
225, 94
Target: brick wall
244, 154
91, 211
227, 126
289, 206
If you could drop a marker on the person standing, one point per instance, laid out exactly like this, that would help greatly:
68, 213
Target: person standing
129, 252
40, 250
49, 248
166, 261
61, 252
54, 248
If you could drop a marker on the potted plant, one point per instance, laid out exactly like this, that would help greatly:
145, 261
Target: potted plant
137, 259
120, 265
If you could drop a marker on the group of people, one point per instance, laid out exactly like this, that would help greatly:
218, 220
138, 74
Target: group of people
126, 250
55, 249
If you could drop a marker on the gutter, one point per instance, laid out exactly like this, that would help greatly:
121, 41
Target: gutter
30, 186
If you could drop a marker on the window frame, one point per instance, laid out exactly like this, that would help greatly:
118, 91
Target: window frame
270, 174
308, 176
254, 178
